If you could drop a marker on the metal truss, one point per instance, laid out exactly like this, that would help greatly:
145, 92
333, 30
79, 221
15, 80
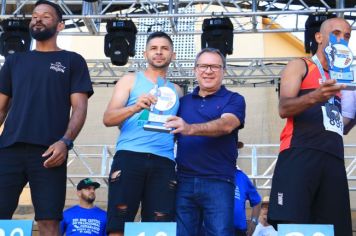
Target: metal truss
170, 15
243, 72
246, 15
256, 160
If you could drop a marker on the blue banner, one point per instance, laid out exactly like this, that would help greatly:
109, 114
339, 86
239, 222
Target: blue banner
16, 227
150, 229
305, 230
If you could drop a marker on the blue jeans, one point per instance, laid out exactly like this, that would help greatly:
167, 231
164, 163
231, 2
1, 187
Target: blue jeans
205, 200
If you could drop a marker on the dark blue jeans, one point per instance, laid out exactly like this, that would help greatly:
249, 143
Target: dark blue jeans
205, 200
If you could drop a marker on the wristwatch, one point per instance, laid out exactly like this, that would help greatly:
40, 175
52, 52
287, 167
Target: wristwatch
254, 220
67, 142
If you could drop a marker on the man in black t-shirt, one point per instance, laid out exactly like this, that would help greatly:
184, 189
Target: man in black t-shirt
38, 89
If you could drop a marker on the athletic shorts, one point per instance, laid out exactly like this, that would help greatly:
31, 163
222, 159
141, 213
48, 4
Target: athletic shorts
310, 186
22, 163
140, 178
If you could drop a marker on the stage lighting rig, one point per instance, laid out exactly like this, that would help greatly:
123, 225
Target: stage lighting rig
120, 41
15, 36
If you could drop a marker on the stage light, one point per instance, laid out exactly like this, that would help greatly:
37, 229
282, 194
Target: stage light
218, 33
312, 26
120, 41
15, 36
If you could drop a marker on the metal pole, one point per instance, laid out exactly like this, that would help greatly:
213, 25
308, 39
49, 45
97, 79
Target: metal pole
3, 7
173, 21
340, 4
254, 19
202, 14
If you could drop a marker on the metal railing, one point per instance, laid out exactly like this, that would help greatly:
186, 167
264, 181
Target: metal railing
256, 160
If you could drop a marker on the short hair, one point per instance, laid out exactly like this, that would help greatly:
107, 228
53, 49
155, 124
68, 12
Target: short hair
210, 50
159, 34
54, 6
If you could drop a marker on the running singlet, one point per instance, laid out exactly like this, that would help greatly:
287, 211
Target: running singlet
308, 128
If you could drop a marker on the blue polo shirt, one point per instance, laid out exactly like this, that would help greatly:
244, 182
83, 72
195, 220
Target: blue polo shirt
209, 157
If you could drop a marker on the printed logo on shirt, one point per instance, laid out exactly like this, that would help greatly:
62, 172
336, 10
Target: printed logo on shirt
280, 199
143, 118
57, 67
86, 226
237, 192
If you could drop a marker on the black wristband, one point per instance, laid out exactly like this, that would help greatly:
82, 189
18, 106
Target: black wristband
67, 142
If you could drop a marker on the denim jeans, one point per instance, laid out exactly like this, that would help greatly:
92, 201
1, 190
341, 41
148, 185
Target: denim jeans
140, 178
205, 200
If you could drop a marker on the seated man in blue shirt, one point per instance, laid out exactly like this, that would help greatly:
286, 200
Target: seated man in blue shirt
244, 191
85, 218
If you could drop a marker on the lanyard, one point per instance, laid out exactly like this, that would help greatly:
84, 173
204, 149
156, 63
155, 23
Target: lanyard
322, 73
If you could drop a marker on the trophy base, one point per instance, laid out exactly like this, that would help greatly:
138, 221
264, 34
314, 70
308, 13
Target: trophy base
157, 128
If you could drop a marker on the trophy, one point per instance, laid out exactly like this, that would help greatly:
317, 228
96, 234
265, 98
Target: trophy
340, 59
159, 112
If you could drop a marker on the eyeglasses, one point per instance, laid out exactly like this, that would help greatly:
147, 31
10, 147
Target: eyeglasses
204, 67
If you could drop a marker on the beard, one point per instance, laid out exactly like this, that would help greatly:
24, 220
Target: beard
42, 35
159, 66
89, 199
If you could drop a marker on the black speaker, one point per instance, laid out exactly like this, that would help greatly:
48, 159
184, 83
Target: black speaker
120, 41
15, 36
218, 33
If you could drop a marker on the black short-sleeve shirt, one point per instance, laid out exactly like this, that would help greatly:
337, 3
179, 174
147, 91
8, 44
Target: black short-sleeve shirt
40, 85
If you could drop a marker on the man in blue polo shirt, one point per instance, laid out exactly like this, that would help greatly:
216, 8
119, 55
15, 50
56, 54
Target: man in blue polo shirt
207, 126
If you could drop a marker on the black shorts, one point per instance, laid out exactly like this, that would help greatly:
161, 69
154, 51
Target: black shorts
21, 164
310, 186
140, 177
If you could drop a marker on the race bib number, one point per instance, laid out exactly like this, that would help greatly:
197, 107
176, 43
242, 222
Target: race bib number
332, 120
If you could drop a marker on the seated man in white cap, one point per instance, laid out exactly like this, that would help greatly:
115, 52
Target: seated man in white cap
263, 228
348, 106
85, 218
